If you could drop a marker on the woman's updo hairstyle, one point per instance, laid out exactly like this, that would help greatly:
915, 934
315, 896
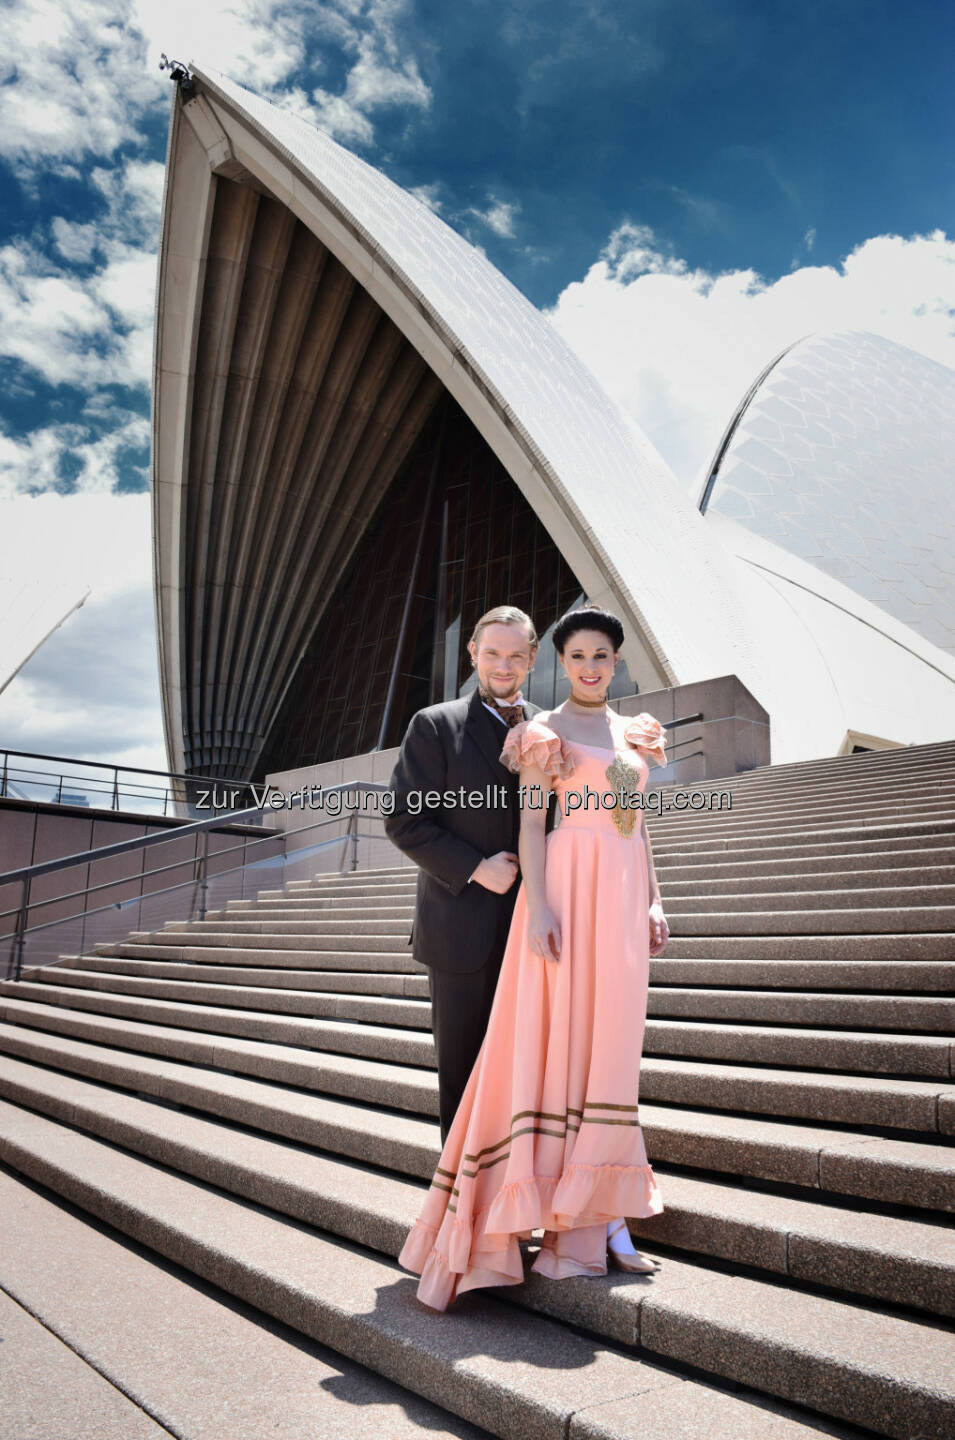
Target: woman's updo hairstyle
589, 617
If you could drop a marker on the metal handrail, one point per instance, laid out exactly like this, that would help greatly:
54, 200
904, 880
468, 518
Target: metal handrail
168, 889
194, 827
25, 874
133, 769
52, 780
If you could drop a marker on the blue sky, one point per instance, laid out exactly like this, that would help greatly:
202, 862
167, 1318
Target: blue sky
686, 187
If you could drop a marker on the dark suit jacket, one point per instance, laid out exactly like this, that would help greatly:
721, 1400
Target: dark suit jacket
458, 927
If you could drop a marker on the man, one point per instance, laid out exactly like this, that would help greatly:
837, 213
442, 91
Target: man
467, 853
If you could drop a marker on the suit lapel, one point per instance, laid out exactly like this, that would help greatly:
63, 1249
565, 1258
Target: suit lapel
488, 735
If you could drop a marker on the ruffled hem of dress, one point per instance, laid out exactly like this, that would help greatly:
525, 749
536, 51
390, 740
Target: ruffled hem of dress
465, 1255
458, 1260
583, 1195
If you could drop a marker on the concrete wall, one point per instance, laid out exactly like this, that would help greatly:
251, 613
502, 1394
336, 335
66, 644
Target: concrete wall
734, 734
307, 827
31, 832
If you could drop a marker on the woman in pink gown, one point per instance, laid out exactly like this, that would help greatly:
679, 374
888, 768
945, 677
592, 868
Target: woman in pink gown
547, 1135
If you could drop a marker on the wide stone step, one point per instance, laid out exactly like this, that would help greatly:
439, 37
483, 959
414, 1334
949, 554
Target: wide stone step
714, 797
96, 1369
912, 791
898, 848
503, 1366
350, 982
846, 1162
812, 898
864, 1053
840, 776
894, 948
927, 1107
232, 939
887, 1257
365, 1002
246, 923
810, 975
382, 1042
806, 892
312, 910
669, 829
863, 1012
731, 919
349, 892
785, 844
834, 881
873, 920
413, 1014
379, 961
401, 1031
915, 976
879, 1365
386, 875
670, 832
841, 866
895, 851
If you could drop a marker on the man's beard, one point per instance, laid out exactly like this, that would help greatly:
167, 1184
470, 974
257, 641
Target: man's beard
497, 689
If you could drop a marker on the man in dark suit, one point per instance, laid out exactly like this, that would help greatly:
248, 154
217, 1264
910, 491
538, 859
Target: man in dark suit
466, 851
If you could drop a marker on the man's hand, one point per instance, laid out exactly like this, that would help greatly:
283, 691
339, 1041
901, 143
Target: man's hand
543, 933
498, 872
659, 930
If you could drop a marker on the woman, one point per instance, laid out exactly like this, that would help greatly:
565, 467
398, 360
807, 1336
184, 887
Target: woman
547, 1135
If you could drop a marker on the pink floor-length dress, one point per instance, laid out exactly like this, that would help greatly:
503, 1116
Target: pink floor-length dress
547, 1135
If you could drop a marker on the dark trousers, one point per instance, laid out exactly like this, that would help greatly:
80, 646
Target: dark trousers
460, 1007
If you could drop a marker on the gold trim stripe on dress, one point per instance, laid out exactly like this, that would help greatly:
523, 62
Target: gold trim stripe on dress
560, 1119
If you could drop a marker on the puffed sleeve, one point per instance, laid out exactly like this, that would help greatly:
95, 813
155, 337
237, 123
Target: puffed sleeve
534, 743
643, 732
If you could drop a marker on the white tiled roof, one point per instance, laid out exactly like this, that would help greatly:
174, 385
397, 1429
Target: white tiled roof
845, 456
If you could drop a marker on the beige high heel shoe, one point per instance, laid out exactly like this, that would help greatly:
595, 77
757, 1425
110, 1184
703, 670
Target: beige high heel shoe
633, 1264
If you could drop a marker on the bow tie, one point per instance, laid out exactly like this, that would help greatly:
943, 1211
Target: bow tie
511, 714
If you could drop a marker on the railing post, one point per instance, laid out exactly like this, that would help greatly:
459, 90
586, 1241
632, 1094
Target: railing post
20, 934
115, 805
353, 833
202, 872
3, 782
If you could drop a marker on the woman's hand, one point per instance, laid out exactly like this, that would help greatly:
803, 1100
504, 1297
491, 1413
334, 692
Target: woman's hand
543, 933
659, 929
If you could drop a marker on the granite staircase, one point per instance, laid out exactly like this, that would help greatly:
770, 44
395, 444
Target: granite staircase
252, 1098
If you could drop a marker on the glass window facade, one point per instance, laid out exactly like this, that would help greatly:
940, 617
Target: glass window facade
452, 537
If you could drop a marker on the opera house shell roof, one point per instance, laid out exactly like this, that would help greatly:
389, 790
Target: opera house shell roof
363, 436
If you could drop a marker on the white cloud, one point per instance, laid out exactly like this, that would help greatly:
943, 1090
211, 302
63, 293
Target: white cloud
86, 329
92, 690
429, 195
34, 462
678, 348
65, 75
499, 216
81, 79
382, 73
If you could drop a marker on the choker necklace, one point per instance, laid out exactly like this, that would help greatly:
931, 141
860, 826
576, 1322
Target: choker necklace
589, 704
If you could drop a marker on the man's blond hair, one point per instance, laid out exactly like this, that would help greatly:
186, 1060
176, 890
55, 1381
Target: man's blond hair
505, 615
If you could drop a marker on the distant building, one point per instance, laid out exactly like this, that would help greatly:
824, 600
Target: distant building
364, 436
